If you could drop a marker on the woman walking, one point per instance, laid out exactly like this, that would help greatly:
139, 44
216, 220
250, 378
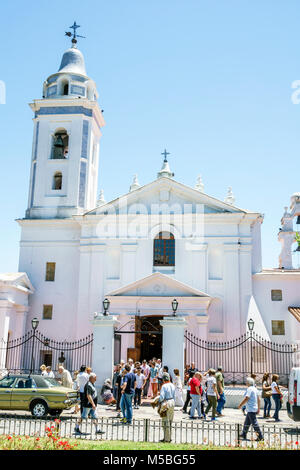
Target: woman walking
266, 394
178, 388
276, 395
212, 393
154, 379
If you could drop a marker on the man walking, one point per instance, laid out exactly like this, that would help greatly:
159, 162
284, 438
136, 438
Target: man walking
117, 378
146, 373
252, 402
212, 393
89, 404
82, 380
140, 383
220, 387
195, 393
167, 395
128, 387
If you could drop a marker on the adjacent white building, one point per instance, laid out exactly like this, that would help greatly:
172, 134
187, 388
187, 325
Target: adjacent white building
160, 241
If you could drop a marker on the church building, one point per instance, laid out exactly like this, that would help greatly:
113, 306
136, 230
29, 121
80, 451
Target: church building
161, 249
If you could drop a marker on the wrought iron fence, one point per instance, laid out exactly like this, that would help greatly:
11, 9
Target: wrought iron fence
26, 354
149, 430
239, 357
242, 356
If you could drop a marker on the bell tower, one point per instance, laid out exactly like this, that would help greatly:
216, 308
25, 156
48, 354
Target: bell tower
67, 131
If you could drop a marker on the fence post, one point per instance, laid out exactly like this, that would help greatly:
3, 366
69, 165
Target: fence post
146, 430
238, 435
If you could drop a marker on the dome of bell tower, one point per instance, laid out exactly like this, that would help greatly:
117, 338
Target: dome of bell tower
72, 62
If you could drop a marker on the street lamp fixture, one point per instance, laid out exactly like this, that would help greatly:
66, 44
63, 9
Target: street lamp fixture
106, 304
251, 325
34, 323
174, 306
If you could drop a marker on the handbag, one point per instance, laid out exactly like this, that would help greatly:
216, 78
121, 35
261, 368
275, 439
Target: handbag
266, 394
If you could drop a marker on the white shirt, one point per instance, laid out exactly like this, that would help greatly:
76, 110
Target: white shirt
82, 379
160, 370
210, 389
252, 394
273, 387
50, 374
139, 380
167, 392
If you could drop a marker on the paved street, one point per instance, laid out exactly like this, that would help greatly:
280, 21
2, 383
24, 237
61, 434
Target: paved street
147, 426
232, 416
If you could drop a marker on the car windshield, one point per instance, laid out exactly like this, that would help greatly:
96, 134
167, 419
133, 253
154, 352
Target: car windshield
51, 382
7, 382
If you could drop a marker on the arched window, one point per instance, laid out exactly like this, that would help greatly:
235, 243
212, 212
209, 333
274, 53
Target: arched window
164, 249
60, 146
57, 181
63, 86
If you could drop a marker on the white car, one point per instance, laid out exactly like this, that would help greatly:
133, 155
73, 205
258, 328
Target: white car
293, 403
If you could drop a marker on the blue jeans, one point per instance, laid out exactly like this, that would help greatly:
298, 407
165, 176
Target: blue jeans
251, 418
276, 398
221, 403
89, 413
267, 406
195, 405
126, 406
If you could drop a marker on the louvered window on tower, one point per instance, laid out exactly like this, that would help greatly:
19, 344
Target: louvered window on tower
47, 312
50, 271
57, 181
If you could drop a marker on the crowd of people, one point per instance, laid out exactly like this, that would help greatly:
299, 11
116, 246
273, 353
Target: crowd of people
150, 380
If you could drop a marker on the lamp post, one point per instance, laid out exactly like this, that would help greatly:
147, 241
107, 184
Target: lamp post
34, 324
174, 306
106, 304
250, 328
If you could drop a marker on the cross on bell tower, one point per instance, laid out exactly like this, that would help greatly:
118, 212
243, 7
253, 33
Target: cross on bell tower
165, 154
74, 26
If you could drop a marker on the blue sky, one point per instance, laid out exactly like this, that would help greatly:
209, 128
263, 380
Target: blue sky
208, 80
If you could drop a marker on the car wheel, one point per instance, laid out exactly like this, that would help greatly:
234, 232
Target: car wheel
39, 409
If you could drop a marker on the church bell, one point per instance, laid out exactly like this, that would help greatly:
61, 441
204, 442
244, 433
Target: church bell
58, 147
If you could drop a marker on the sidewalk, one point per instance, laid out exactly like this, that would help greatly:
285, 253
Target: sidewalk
231, 415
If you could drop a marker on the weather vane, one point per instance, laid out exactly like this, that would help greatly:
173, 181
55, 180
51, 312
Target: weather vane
165, 153
74, 34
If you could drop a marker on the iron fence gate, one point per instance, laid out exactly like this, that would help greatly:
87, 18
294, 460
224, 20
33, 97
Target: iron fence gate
26, 354
242, 356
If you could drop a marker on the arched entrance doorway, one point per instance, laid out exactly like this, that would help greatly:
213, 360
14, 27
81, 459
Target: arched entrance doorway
147, 332
150, 341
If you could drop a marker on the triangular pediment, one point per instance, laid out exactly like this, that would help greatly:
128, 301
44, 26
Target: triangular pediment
157, 285
18, 280
165, 193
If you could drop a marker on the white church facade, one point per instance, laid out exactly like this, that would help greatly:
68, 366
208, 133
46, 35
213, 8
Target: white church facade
159, 242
